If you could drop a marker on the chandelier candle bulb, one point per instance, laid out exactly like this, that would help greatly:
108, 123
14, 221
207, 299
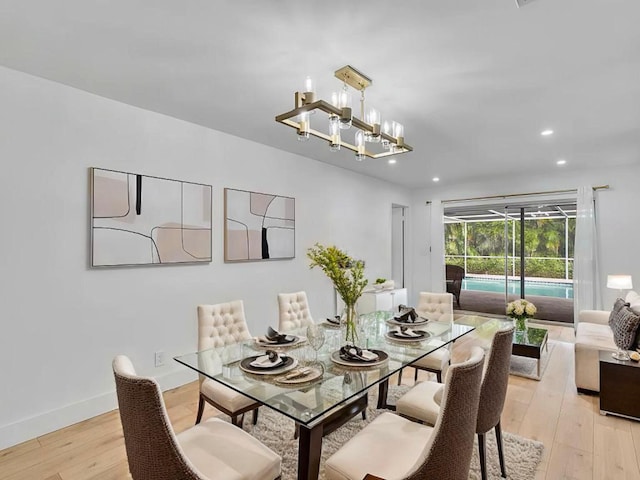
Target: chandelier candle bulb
386, 129
309, 94
360, 153
303, 131
344, 102
373, 118
334, 133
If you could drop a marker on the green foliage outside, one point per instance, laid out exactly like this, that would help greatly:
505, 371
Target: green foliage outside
543, 238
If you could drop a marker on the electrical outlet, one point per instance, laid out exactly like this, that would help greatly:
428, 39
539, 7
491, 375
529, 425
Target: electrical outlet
159, 359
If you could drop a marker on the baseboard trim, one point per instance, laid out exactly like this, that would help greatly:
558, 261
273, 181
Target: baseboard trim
32, 427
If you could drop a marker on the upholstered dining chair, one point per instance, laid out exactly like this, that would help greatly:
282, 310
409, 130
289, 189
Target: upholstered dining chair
294, 311
393, 447
422, 402
436, 307
213, 449
220, 325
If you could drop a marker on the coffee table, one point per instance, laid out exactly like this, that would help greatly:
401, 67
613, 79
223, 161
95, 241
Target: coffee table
529, 343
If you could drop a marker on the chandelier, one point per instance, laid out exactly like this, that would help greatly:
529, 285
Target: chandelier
373, 138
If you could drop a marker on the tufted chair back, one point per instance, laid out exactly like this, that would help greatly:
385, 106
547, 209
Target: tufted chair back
294, 311
221, 324
435, 306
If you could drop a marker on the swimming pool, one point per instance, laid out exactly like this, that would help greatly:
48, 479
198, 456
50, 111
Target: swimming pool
545, 289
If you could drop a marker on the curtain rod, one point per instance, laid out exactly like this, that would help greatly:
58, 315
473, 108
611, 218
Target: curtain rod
509, 195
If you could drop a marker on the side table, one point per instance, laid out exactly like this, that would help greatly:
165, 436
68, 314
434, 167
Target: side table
619, 387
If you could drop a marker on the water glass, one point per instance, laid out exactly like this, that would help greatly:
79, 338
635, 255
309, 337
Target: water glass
315, 337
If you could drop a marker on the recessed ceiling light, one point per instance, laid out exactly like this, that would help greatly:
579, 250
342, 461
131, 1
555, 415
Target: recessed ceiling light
546, 133
436, 179
562, 161
392, 161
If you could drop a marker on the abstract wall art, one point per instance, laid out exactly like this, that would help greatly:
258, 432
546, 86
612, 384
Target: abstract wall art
143, 220
258, 226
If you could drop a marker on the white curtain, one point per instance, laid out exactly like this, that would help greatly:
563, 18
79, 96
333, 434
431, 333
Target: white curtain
436, 228
586, 283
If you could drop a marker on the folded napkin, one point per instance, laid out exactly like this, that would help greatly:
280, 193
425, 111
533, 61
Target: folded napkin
407, 332
270, 359
406, 314
358, 354
335, 320
274, 336
298, 373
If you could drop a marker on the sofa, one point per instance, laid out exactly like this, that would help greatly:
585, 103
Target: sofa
593, 334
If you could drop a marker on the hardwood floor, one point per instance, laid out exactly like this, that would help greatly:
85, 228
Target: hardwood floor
579, 442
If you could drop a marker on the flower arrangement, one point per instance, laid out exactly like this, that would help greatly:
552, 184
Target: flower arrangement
520, 311
347, 276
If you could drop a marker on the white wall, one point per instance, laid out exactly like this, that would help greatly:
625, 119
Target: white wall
63, 322
618, 215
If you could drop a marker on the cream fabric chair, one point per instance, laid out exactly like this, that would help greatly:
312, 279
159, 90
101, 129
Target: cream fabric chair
393, 447
294, 311
423, 401
436, 307
211, 450
219, 325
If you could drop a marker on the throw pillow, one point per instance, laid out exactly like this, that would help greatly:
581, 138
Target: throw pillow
633, 299
624, 324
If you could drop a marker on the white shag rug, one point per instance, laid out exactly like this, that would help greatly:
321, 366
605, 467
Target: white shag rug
522, 455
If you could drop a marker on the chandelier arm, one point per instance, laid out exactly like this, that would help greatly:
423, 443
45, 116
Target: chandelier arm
353, 148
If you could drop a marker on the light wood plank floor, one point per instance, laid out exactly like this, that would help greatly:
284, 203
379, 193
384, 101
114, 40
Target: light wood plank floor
579, 442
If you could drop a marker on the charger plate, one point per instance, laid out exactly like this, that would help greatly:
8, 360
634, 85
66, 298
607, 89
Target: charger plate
382, 358
391, 335
296, 341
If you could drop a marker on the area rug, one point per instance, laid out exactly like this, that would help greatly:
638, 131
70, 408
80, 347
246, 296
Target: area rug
528, 367
522, 455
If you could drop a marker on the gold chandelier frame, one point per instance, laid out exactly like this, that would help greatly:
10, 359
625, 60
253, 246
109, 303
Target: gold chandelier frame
305, 102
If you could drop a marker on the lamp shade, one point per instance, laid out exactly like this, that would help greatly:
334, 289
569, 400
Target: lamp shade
620, 282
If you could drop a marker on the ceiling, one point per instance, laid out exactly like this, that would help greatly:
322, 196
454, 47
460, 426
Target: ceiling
474, 82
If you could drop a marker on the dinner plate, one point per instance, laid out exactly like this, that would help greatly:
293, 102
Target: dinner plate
287, 364
296, 340
393, 335
382, 357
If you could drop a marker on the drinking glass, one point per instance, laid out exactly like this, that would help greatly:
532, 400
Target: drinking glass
315, 337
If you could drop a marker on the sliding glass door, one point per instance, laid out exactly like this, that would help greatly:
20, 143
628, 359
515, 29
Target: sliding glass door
513, 251
539, 242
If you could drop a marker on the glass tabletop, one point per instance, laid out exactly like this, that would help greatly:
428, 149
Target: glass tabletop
308, 402
532, 336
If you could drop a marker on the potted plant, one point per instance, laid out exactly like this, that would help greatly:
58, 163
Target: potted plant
348, 279
379, 284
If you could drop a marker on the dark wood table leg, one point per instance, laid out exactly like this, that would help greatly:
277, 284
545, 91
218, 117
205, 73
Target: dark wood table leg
309, 451
383, 390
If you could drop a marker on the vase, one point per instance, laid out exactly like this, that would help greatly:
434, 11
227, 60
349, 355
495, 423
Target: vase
520, 324
349, 325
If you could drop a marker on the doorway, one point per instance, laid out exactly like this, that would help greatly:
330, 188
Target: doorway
398, 245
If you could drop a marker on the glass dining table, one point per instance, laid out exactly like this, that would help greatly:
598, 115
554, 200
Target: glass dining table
336, 389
